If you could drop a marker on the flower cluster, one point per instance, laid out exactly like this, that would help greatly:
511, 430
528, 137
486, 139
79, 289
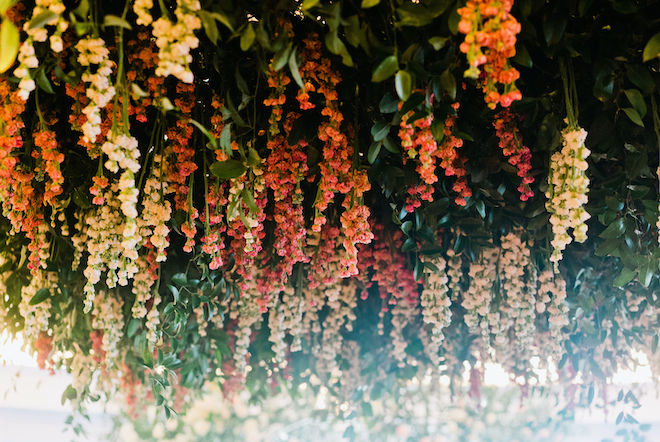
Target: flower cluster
107, 316
567, 191
176, 40
454, 271
337, 154
26, 55
123, 153
451, 161
403, 314
36, 315
142, 9
489, 24
92, 51
180, 156
435, 301
102, 236
355, 224
551, 298
156, 211
519, 155
477, 299
517, 306
47, 151
418, 142
381, 265
286, 167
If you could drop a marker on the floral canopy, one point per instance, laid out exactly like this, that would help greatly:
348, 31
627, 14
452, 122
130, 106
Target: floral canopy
349, 194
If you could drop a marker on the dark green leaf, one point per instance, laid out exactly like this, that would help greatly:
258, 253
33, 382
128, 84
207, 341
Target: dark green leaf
374, 150
42, 19
113, 20
380, 130
295, 71
40, 297
247, 37
624, 277
652, 48
637, 100
228, 169
634, 116
369, 3
385, 69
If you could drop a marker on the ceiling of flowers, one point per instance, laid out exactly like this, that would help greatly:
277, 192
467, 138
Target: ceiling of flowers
355, 192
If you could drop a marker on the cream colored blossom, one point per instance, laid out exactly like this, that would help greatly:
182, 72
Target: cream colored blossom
567, 192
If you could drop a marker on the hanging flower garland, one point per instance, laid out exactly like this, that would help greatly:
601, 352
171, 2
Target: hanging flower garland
568, 183
518, 155
489, 24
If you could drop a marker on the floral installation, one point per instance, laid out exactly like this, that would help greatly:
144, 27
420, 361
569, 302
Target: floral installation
301, 193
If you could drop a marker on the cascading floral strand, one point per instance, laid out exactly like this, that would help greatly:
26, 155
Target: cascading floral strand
518, 155
568, 183
174, 40
489, 24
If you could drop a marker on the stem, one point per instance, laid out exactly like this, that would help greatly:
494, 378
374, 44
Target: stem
571, 109
39, 114
206, 193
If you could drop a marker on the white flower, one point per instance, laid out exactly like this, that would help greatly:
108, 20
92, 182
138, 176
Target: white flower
174, 40
567, 191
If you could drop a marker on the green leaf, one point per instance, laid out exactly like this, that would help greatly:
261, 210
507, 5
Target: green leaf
614, 230
9, 42
388, 104
43, 82
133, 326
408, 245
42, 19
634, 116
448, 83
113, 20
68, 394
247, 37
481, 208
281, 58
337, 47
553, 29
309, 4
406, 227
6, 4
205, 132
380, 130
522, 56
645, 274
222, 18
228, 169
438, 42
40, 297
652, 48
403, 84
210, 26
248, 199
374, 150
637, 100
640, 76
366, 4
624, 277
385, 69
225, 139
390, 146
295, 71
